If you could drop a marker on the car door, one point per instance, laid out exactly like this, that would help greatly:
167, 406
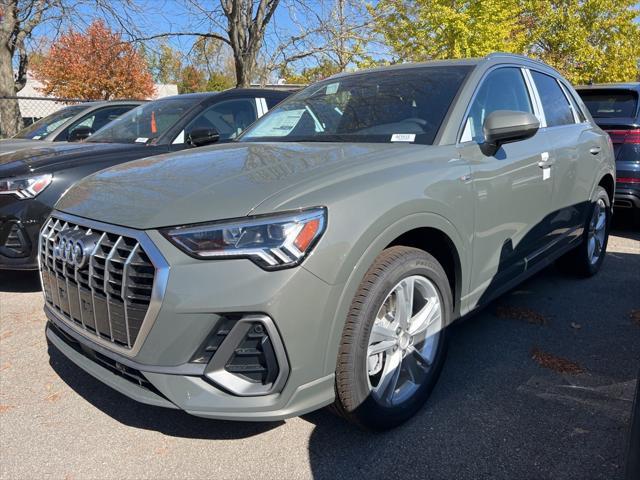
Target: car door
513, 198
228, 117
573, 159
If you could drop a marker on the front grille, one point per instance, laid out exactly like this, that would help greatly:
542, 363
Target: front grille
110, 294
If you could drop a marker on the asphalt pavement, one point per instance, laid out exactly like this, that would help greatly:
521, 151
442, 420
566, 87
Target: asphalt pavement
538, 385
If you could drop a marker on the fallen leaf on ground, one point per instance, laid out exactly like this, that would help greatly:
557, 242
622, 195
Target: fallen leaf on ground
575, 325
555, 363
6, 334
5, 408
635, 316
521, 313
54, 397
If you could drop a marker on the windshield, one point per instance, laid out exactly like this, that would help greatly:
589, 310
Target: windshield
43, 127
615, 103
400, 105
146, 122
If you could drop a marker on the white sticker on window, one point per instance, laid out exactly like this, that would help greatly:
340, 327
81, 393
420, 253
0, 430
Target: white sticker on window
332, 88
37, 137
141, 140
546, 173
403, 137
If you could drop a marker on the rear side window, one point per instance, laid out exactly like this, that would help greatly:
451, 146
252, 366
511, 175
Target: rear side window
556, 107
502, 89
610, 103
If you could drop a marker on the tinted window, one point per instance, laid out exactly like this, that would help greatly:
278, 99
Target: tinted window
502, 89
146, 122
43, 127
228, 118
555, 105
98, 119
407, 104
610, 103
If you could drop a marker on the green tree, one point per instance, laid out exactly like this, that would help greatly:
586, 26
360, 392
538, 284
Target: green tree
219, 81
324, 69
165, 63
434, 29
586, 40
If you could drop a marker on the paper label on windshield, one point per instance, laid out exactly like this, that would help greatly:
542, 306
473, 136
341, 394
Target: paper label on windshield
332, 88
279, 124
403, 137
141, 140
37, 137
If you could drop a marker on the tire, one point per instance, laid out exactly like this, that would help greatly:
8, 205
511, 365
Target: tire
581, 261
365, 393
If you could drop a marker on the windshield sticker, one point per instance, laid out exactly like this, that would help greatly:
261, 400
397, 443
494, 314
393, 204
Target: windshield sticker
37, 137
279, 124
403, 137
332, 88
141, 140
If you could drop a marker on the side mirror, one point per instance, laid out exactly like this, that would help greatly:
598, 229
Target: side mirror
79, 133
203, 136
507, 126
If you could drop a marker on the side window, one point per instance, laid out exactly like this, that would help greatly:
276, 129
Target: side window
502, 89
98, 119
229, 118
556, 107
574, 104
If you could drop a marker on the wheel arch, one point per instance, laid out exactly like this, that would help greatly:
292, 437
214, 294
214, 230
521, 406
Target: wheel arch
450, 249
608, 183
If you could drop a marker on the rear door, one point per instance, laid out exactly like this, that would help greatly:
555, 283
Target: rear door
575, 148
513, 198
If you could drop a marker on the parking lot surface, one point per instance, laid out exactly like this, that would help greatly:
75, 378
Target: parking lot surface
537, 385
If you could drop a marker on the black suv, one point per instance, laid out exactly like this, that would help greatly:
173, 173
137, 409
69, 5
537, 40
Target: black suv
32, 180
616, 109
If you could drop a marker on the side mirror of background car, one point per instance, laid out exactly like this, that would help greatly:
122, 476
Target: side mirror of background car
80, 133
507, 126
203, 136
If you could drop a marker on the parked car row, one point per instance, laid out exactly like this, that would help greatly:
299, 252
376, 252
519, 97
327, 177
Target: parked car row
318, 257
33, 179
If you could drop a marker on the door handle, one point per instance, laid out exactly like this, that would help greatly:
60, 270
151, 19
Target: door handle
594, 150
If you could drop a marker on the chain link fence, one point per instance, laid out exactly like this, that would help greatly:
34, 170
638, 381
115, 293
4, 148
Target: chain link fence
33, 109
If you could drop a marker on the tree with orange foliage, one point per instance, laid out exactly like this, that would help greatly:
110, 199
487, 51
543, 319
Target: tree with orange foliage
95, 65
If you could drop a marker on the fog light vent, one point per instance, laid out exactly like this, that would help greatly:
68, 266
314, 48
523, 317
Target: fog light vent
246, 356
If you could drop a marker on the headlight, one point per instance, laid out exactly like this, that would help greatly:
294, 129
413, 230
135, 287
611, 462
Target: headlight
25, 187
270, 241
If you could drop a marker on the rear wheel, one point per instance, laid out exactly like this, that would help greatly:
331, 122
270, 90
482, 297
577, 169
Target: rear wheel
394, 340
587, 259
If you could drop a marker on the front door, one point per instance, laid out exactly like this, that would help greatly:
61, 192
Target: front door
513, 194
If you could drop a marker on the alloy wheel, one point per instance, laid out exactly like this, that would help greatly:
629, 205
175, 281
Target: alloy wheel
404, 340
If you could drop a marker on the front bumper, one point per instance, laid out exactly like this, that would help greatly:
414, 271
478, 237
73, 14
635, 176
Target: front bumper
197, 293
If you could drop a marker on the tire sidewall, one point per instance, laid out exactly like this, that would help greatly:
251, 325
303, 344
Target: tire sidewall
369, 410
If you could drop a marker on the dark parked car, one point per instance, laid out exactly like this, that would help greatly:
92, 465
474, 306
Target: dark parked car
32, 180
69, 124
616, 109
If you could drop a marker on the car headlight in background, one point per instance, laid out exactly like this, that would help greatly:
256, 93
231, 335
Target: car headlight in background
25, 187
271, 241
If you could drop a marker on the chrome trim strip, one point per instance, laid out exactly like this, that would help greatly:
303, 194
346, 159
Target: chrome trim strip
217, 373
157, 293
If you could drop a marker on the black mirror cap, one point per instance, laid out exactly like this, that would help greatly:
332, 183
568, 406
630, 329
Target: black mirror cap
80, 133
507, 126
203, 136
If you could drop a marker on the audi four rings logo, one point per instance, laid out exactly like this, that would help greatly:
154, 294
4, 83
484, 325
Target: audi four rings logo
74, 247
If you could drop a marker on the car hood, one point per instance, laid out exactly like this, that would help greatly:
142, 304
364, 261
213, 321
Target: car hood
13, 144
213, 183
52, 156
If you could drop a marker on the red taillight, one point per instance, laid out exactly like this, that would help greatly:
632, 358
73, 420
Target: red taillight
624, 136
627, 180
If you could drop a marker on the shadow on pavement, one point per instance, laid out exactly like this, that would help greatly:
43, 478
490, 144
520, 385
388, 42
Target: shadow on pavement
626, 224
18, 281
175, 423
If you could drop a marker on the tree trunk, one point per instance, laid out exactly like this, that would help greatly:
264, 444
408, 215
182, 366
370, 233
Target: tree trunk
10, 118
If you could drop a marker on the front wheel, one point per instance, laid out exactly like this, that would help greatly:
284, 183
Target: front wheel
394, 341
587, 259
